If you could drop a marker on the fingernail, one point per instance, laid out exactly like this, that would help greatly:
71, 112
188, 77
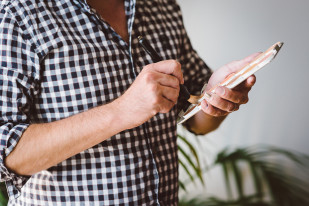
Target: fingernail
220, 91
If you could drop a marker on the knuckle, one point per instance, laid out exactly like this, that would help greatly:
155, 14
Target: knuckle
178, 65
237, 100
216, 114
175, 98
225, 114
149, 77
215, 101
177, 91
156, 100
172, 97
154, 88
154, 111
211, 111
175, 83
231, 107
171, 105
166, 108
221, 113
177, 87
245, 99
174, 63
224, 93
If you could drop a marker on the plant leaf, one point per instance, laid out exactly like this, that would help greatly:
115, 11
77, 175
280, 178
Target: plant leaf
186, 169
197, 169
227, 179
192, 149
238, 178
182, 186
257, 180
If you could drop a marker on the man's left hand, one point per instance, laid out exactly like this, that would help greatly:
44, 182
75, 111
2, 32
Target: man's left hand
224, 100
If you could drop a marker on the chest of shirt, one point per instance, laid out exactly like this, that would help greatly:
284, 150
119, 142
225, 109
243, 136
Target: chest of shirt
86, 64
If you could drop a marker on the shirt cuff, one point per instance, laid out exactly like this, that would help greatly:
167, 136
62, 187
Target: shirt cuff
14, 182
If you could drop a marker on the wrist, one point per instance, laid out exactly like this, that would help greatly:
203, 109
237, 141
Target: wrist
203, 123
118, 116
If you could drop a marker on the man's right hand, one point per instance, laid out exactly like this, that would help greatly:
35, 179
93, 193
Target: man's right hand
155, 90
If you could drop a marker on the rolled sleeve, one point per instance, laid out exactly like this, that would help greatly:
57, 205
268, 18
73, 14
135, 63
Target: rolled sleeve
18, 79
10, 135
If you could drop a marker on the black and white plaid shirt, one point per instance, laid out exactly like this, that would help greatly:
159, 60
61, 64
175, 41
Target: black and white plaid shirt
59, 58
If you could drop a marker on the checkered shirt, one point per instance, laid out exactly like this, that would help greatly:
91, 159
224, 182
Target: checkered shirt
59, 58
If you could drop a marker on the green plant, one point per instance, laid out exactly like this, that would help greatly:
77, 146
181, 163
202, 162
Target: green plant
3, 195
212, 201
273, 184
189, 164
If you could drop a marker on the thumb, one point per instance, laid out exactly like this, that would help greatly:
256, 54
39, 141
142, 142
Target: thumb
237, 65
251, 57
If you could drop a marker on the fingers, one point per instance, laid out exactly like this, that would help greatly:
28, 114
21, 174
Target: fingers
165, 105
238, 97
155, 90
163, 98
169, 93
171, 67
211, 110
251, 81
247, 84
225, 100
222, 104
162, 79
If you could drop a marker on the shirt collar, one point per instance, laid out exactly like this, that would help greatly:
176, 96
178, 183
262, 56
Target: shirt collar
82, 3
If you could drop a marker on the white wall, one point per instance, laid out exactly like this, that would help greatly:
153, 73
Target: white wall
277, 113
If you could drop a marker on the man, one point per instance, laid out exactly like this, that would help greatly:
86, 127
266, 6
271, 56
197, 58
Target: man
86, 117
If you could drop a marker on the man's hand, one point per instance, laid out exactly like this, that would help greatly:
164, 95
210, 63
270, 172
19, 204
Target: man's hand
155, 90
224, 100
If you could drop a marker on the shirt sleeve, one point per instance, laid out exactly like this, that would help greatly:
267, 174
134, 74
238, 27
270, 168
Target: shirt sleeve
18, 61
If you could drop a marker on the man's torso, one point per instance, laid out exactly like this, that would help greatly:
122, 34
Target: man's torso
82, 64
